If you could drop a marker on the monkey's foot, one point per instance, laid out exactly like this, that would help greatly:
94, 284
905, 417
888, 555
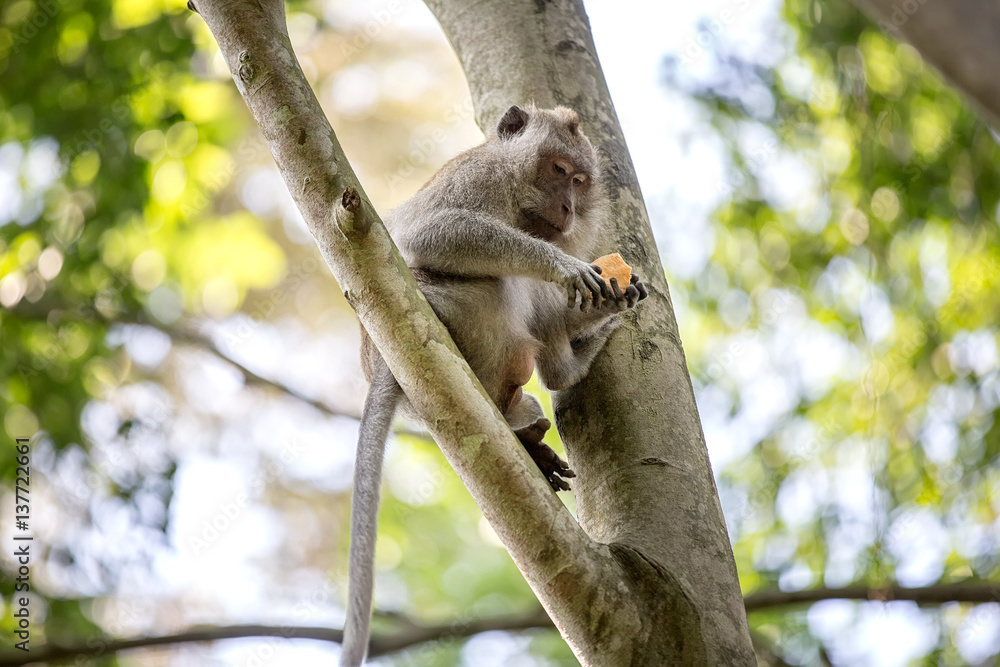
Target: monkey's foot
553, 467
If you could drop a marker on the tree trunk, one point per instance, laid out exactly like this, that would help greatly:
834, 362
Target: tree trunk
632, 432
959, 37
652, 581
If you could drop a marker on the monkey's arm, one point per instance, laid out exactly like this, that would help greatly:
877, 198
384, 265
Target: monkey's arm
469, 243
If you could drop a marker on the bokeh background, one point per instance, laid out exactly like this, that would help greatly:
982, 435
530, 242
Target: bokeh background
826, 211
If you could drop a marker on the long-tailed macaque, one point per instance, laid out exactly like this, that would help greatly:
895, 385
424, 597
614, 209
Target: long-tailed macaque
497, 241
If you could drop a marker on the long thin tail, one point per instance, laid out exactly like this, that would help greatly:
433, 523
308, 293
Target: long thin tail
384, 395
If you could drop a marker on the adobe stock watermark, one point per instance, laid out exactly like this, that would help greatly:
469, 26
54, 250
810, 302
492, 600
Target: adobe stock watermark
737, 346
900, 14
317, 602
424, 147
244, 156
229, 513
263, 310
129, 618
381, 19
93, 137
753, 162
45, 12
709, 30
422, 494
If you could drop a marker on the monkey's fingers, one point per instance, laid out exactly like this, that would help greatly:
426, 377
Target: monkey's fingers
562, 469
615, 289
637, 281
631, 296
571, 290
596, 288
574, 286
584, 291
620, 301
605, 290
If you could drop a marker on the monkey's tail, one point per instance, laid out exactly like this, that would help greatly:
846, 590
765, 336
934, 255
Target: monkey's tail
384, 395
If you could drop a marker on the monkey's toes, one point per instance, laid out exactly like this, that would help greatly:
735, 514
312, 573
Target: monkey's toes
553, 468
533, 434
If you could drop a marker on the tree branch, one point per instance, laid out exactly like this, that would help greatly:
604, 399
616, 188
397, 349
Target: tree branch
195, 338
644, 483
191, 334
938, 594
766, 651
959, 38
558, 560
412, 633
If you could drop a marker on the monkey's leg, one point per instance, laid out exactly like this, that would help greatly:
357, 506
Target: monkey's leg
529, 424
564, 361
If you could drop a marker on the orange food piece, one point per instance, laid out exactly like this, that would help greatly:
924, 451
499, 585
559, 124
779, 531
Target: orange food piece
613, 266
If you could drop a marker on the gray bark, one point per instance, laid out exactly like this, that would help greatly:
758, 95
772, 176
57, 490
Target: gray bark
652, 580
961, 38
631, 429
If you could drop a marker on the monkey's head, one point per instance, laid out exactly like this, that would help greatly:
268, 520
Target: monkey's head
557, 163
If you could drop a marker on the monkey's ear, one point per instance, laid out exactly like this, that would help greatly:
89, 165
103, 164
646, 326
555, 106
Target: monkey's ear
513, 122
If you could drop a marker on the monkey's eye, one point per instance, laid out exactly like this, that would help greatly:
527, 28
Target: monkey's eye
561, 170
579, 180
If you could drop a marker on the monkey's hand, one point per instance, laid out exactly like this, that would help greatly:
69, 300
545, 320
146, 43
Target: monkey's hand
633, 294
580, 278
553, 467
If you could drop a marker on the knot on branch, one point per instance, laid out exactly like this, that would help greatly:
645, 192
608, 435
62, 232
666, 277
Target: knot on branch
347, 214
245, 70
351, 200
653, 461
569, 45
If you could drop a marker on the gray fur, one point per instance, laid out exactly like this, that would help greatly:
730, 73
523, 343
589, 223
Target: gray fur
498, 242
384, 395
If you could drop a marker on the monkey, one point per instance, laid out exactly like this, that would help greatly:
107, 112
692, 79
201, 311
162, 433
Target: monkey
495, 241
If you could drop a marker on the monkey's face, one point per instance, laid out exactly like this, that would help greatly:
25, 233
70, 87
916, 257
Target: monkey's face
554, 169
559, 194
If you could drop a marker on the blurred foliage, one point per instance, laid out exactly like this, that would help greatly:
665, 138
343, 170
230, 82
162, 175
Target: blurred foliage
81, 82
845, 329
